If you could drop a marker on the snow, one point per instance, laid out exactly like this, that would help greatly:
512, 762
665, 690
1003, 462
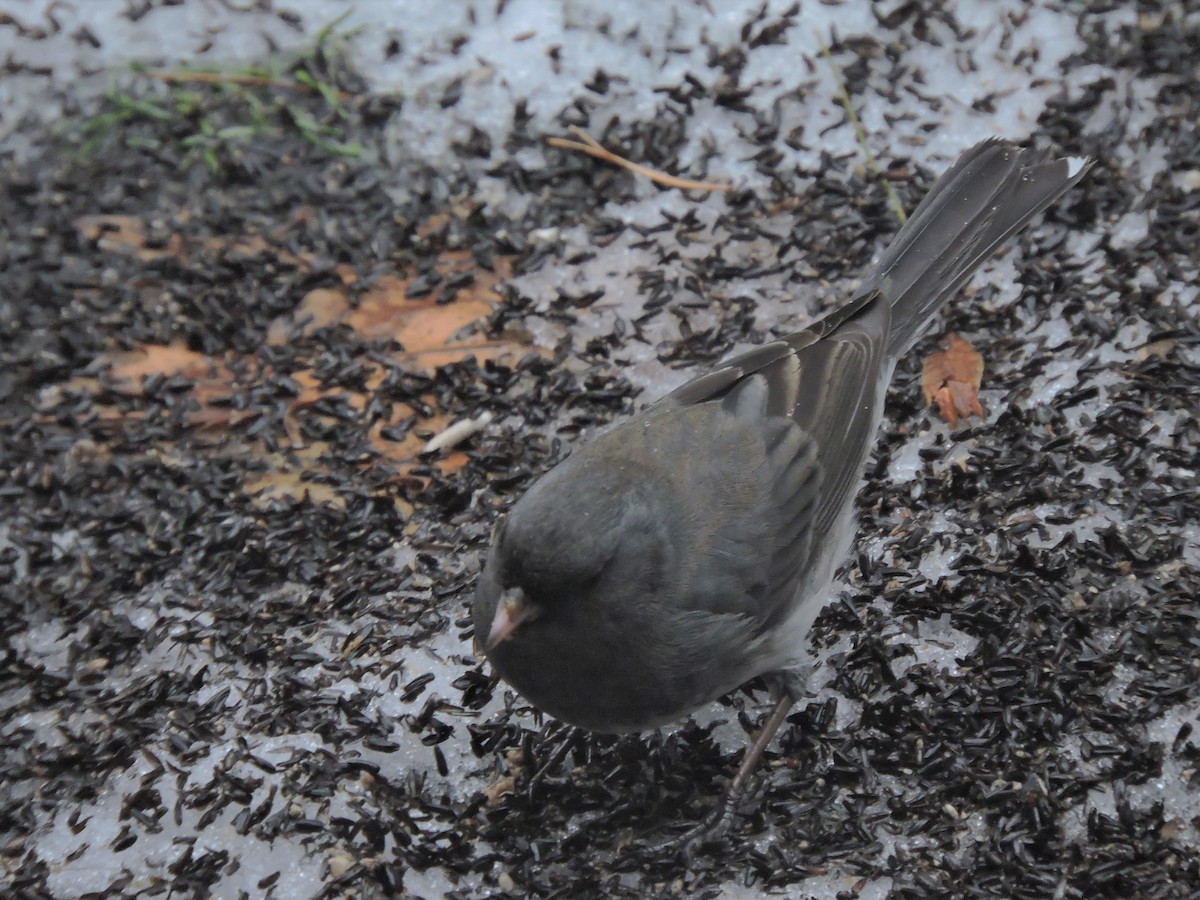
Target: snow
544, 53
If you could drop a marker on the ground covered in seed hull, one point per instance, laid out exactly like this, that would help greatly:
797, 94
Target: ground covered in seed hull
235, 655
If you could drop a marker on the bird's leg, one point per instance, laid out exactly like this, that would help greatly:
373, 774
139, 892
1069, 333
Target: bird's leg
753, 757
717, 822
755, 754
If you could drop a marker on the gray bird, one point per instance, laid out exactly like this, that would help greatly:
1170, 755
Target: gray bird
689, 549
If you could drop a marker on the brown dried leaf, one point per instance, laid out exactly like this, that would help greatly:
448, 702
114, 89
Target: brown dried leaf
319, 308
406, 453
277, 484
128, 371
214, 382
296, 475
951, 379
432, 334
127, 235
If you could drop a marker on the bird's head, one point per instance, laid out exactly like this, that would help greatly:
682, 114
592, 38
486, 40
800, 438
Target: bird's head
578, 557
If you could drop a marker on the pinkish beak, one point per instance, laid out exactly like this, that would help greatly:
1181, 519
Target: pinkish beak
511, 611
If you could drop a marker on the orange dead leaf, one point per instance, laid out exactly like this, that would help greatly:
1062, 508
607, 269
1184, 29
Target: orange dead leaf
127, 235
128, 370
432, 334
951, 379
278, 484
433, 224
406, 453
214, 382
296, 475
419, 324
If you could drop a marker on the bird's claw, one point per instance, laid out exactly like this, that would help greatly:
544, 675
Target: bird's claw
711, 831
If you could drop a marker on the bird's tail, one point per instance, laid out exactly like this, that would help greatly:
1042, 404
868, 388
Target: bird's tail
993, 190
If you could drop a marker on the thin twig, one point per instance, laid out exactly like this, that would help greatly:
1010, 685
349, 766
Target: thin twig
861, 135
589, 145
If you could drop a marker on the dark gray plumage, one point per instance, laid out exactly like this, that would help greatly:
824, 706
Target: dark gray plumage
691, 547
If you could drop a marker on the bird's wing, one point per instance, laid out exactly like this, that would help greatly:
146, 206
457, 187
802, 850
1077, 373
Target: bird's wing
719, 382
812, 400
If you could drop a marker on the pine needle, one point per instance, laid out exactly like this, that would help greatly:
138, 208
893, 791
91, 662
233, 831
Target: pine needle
861, 135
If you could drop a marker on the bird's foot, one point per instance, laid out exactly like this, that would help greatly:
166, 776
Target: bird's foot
711, 831
716, 825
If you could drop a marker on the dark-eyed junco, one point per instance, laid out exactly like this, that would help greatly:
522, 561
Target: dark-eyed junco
689, 549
